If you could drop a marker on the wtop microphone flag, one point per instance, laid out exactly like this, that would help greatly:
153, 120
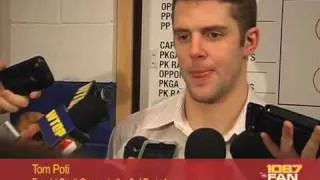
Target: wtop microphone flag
56, 125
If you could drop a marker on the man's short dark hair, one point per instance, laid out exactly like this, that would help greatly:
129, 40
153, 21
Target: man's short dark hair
243, 11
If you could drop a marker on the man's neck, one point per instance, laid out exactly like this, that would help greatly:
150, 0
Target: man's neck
221, 115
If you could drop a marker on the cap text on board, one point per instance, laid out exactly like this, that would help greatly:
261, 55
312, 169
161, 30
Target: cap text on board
166, 44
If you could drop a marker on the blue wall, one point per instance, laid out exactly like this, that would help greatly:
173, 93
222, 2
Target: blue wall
62, 93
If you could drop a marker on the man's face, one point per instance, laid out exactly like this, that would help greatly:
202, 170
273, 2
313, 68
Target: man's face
207, 42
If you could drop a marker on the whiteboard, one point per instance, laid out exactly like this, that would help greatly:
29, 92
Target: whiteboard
285, 70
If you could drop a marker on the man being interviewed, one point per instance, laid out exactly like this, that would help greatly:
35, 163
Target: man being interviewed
213, 40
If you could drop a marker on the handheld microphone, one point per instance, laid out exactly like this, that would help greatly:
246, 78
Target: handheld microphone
88, 113
133, 147
8, 131
205, 143
56, 125
83, 92
74, 124
249, 145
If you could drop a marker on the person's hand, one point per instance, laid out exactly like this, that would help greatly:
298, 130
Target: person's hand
286, 149
11, 102
28, 125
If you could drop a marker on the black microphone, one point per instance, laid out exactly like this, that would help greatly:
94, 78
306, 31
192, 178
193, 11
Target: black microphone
133, 147
205, 143
60, 125
82, 92
85, 115
249, 145
88, 113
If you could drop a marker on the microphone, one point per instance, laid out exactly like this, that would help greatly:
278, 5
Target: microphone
88, 94
83, 92
56, 125
74, 124
249, 145
140, 147
205, 143
90, 89
8, 131
133, 147
88, 113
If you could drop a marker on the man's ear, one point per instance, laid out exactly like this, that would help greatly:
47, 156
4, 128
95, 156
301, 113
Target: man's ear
251, 42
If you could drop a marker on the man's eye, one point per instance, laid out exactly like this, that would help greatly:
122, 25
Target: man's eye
183, 37
213, 35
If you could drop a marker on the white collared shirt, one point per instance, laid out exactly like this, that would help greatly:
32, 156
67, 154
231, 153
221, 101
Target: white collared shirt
166, 122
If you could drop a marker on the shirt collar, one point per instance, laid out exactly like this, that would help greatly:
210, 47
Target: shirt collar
166, 112
172, 112
240, 124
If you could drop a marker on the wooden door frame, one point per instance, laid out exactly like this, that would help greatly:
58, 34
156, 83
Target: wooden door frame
124, 57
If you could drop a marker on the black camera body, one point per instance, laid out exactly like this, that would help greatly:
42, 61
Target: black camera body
270, 119
30, 75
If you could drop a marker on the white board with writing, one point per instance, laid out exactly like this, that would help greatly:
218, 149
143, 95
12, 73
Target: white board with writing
285, 70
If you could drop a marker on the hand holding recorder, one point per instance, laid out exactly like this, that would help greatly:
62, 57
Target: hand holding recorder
22, 82
286, 134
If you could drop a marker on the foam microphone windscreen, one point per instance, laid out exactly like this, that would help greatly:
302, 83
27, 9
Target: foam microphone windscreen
205, 143
88, 113
133, 147
249, 145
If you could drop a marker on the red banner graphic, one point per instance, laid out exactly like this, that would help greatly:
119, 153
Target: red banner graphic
58, 169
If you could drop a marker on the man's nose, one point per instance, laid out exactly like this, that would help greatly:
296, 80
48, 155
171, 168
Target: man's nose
197, 50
